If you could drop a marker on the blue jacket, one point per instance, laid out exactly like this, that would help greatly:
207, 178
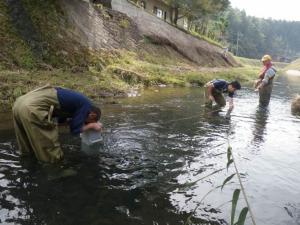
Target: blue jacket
76, 106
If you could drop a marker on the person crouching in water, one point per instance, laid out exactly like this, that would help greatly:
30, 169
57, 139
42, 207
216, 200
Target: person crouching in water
214, 93
37, 114
264, 83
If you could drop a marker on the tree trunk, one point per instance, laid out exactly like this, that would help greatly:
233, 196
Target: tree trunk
176, 15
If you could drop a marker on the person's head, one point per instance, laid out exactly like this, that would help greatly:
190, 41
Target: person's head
266, 59
94, 115
233, 86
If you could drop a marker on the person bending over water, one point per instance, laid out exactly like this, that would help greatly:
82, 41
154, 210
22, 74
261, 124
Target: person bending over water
214, 93
37, 114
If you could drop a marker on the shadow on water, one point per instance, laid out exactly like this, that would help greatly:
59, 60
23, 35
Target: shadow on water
260, 122
103, 188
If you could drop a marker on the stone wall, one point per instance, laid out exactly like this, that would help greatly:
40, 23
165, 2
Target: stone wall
126, 26
97, 29
160, 32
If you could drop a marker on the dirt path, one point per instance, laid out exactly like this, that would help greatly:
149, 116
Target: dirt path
293, 73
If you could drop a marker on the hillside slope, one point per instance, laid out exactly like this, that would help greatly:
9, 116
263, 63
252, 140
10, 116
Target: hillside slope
195, 49
64, 33
98, 51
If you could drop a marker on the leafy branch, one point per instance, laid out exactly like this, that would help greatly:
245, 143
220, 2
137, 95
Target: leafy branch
235, 197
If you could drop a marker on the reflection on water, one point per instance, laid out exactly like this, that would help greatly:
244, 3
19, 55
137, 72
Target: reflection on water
148, 170
260, 122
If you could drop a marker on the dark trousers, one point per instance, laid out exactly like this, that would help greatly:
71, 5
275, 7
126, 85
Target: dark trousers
35, 131
219, 98
265, 94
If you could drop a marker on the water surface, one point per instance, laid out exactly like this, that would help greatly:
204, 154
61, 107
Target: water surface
154, 147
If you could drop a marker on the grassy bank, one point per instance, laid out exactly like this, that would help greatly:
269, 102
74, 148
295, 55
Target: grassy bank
38, 48
295, 65
257, 63
14, 51
116, 74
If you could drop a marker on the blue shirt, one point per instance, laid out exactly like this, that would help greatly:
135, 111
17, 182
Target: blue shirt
222, 86
76, 105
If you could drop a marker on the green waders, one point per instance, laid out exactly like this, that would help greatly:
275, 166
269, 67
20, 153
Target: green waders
35, 130
265, 94
219, 98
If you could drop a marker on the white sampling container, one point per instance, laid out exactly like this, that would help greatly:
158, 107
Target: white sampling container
91, 137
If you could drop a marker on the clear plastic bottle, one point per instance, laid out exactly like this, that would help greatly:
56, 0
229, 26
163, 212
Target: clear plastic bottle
91, 137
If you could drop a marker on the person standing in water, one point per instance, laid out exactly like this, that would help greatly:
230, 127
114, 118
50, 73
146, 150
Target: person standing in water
264, 83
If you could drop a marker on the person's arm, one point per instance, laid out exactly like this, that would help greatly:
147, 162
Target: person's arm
231, 106
260, 78
260, 86
210, 88
92, 126
269, 74
262, 83
257, 83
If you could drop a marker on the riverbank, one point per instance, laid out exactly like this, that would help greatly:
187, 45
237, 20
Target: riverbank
108, 59
114, 73
120, 75
57, 50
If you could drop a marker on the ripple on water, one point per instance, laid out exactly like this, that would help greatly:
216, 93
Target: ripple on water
155, 166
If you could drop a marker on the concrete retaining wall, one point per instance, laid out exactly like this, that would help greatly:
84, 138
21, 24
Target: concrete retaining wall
196, 50
95, 29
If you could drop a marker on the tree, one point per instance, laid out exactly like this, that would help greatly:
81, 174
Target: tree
261, 36
195, 9
176, 5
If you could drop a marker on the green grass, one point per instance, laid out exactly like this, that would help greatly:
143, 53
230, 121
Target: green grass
257, 63
115, 73
280, 65
248, 62
205, 38
95, 85
124, 23
95, 73
295, 65
161, 70
243, 74
14, 52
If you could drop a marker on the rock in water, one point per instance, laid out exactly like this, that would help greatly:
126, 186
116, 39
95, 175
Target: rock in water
63, 173
295, 107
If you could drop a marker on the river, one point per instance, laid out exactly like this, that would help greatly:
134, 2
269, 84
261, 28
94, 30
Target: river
155, 146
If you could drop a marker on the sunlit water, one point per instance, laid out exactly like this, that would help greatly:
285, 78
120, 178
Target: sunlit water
154, 147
